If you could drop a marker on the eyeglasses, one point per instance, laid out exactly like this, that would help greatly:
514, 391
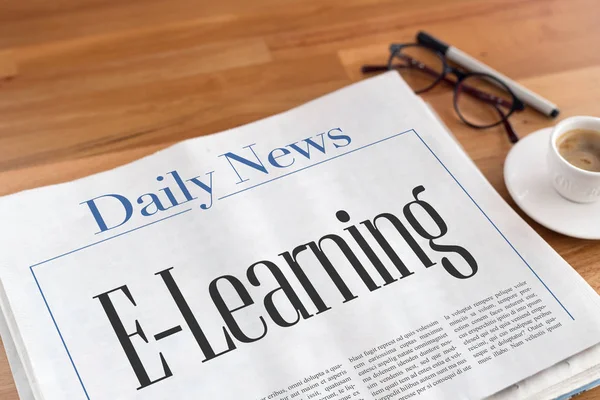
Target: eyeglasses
480, 100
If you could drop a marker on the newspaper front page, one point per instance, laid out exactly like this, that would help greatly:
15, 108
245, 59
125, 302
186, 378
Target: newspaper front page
346, 250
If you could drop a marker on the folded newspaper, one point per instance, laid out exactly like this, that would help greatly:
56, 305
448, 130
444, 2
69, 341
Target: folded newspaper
347, 249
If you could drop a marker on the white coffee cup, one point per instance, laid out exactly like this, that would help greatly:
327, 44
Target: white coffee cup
571, 182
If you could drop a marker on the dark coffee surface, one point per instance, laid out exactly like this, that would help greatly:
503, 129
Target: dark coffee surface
581, 148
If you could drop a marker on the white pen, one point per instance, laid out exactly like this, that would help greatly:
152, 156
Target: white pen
528, 97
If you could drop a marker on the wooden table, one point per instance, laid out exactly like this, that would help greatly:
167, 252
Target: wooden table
92, 84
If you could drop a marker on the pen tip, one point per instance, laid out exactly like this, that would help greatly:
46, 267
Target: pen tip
554, 113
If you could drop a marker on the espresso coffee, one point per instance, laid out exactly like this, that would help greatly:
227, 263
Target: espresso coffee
581, 148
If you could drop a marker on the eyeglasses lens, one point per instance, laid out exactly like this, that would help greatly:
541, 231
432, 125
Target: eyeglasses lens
482, 101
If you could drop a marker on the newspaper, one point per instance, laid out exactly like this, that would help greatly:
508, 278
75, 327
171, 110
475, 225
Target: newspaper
346, 249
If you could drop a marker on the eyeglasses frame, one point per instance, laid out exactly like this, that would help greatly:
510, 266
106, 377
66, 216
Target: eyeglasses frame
460, 76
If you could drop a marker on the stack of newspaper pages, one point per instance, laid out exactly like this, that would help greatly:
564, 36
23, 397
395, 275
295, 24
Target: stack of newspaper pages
347, 249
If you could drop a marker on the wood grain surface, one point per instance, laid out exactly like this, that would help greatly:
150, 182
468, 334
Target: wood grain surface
87, 85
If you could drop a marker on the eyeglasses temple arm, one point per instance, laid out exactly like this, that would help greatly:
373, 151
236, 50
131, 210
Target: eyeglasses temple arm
486, 97
512, 136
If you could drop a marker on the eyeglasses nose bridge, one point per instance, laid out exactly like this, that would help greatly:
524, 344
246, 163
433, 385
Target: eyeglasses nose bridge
460, 75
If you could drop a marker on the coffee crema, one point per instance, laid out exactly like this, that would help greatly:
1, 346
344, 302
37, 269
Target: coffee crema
581, 148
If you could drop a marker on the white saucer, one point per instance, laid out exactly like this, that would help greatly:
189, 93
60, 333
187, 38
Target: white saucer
527, 181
